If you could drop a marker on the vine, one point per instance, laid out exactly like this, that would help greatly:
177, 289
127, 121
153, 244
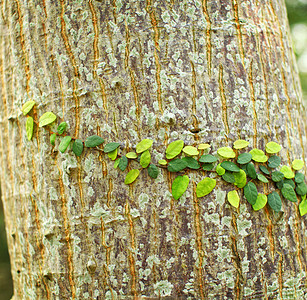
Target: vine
242, 170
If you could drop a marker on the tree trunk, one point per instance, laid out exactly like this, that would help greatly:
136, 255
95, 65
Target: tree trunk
202, 71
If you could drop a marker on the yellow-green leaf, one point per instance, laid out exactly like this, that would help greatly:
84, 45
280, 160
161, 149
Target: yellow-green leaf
162, 162
220, 170
47, 118
240, 179
143, 145
179, 186
131, 155
52, 139
190, 150
205, 187
272, 147
145, 159
303, 207
260, 202
240, 144
174, 148
64, 143
287, 171
113, 154
26, 108
226, 152
258, 155
297, 164
132, 176
29, 127
203, 146
233, 198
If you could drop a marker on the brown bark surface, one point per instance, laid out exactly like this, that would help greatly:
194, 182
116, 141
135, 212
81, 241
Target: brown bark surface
201, 71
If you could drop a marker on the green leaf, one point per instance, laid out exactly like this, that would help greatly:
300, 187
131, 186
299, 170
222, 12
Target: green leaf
174, 148
288, 192
297, 164
26, 108
258, 155
179, 186
208, 158
153, 171
301, 189
205, 187
47, 118
93, 141
264, 170
240, 179
132, 176
240, 144
64, 143
277, 176
303, 207
62, 127
29, 127
220, 170
207, 167
244, 158
262, 178
279, 184
131, 155
177, 165
233, 198
230, 166
251, 171
274, 161
260, 202
116, 163
274, 201
251, 193
52, 139
229, 177
162, 162
143, 145
192, 163
203, 146
113, 154
290, 182
287, 172
110, 147
190, 150
123, 163
226, 152
145, 159
299, 177
272, 147
77, 147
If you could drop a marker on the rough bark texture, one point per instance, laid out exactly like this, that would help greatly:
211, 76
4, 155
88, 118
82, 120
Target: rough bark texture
202, 71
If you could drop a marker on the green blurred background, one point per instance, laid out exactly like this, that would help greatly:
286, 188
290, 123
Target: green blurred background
297, 13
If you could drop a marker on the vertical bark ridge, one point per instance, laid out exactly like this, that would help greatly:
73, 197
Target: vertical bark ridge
104, 98
270, 229
208, 35
96, 35
280, 273
252, 96
194, 96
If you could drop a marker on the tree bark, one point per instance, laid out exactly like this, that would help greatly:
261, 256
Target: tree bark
201, 71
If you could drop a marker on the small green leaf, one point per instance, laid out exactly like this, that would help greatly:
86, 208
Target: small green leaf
192, 163
288, 192
174, 149
47, 118
205, 187
64, 143
143, 145
208, 158
258, 155
62, 127
110, 147
145, 159
251, 171
190, 150
29, 127
77, 147
290, 182
93, 141
220, 170
116, 163
260, 202
244, 158
287, 172
177, 165
230, 166
229, 177
299, 177
179, 186
274, 201
226, 152
240, 179
52, 139
131, 155
207, 167
240, 144
123, 163
297, 164
277, 176
301, 189
251, 193
303, 207
113, 154
153, 171
264, 170
279, 184
272, 147
203, 146
274, 161
233, 198
262, 178
132, 176
162, 162
26, 108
